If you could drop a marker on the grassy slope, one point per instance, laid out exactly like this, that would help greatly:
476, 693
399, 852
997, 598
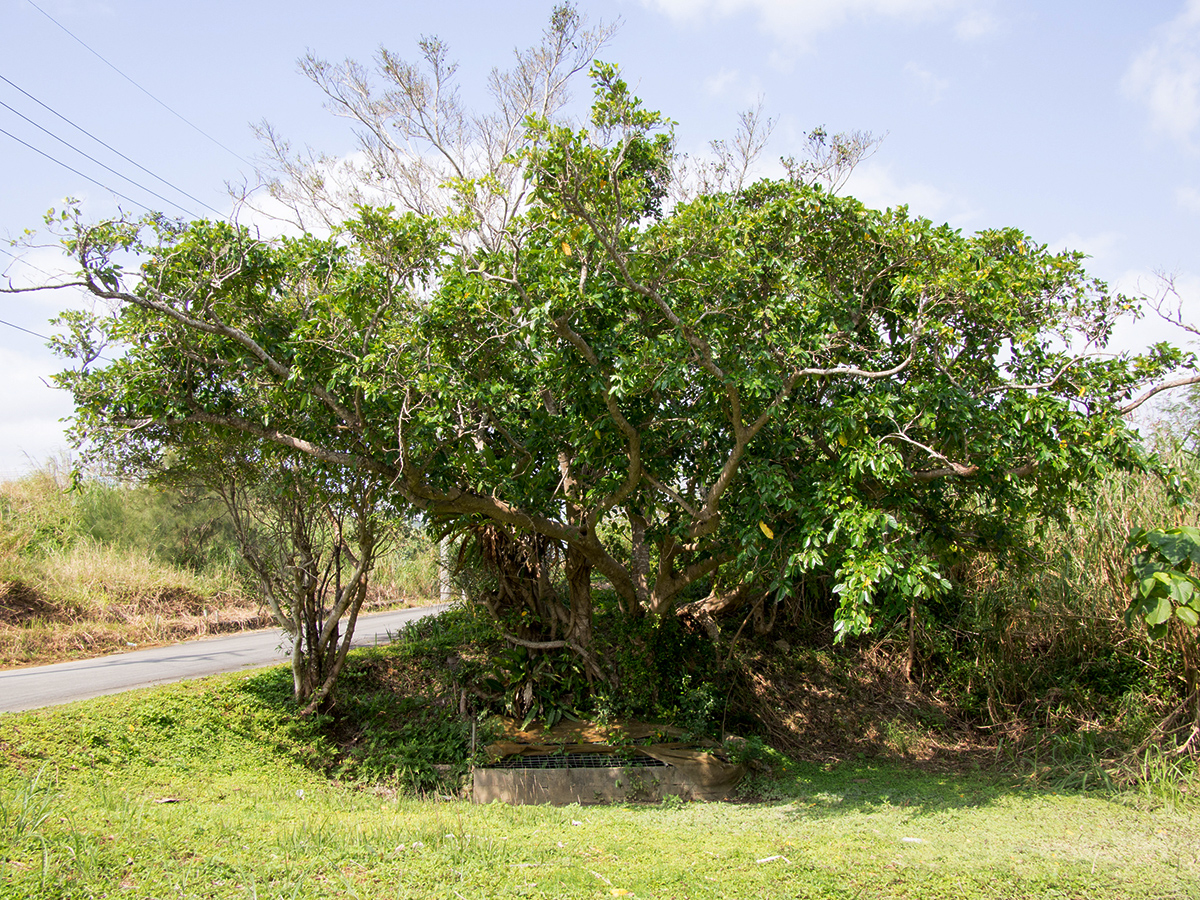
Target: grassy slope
254, 817
100, 568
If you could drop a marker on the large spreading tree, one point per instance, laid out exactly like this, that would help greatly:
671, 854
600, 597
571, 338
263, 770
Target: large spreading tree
601, 372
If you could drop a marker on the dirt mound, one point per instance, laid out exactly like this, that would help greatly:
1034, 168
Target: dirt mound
20, 604
35, 631
828, 703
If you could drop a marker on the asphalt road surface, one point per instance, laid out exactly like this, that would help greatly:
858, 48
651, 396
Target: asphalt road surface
84, 678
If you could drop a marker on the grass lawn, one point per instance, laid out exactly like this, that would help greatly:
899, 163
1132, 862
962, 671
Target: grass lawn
211, 789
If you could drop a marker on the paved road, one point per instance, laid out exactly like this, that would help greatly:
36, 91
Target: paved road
84, 678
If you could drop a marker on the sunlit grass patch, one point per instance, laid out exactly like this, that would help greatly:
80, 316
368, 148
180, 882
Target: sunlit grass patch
217, 789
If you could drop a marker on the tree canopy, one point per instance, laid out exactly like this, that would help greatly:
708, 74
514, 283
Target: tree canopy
721, 397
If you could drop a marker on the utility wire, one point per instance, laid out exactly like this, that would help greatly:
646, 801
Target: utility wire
25, 262
71, 146
26, 330
76, 171
42, 336
138, 86
110, 147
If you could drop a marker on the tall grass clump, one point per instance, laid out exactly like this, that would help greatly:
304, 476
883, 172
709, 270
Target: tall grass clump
89, 566
36, 513
53, 509
1041, 650
408, 569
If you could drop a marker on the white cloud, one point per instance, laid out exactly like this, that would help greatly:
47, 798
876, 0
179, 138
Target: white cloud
1096, 246
1188, 198
926, 82
716, 85
1165, 76
976, 23
876, 185
797, 21
731, 84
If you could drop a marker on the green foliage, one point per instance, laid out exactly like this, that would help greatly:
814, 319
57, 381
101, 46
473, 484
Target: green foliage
178, 527
30, 805
1041, 641
52, 510
1160, 575
408, 565
402, 740
1166, 780
665, 670
187, 727
544, 685
769, 387
459, 627
88, 567
399, 717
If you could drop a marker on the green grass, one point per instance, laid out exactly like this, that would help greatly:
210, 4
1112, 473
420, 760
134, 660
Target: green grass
252, 815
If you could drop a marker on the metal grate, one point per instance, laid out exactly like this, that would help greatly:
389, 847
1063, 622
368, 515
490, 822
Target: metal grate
578, 761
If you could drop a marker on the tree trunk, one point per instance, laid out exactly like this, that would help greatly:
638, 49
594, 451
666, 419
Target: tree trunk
639, 562
579, 630
910, 662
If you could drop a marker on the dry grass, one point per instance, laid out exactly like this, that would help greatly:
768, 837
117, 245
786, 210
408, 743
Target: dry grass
163, 572
828, 703
87, 600
92, 600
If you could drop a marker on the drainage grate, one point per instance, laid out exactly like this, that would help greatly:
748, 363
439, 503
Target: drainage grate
578, 761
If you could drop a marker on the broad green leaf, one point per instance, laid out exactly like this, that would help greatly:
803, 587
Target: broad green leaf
1182, 590
1160, 613
1152, 586
1176, 544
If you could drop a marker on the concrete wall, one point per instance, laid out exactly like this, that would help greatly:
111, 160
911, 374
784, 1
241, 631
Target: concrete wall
562, 786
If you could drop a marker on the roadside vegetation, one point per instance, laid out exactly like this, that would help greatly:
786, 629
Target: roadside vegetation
1027, 667
218, 789
90, 566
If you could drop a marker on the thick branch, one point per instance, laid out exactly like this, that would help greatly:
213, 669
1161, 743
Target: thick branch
1158, 389
278, 369
632, 437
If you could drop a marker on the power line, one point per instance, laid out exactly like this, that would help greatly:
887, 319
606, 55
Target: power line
76, 171
179, 116
109, 146
26, 330
71, 146
25, 262
42, 336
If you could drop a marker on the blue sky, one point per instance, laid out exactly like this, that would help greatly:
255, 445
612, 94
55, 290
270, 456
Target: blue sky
1077, 122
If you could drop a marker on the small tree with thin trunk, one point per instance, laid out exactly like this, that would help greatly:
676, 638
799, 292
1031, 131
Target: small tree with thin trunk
311, 541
